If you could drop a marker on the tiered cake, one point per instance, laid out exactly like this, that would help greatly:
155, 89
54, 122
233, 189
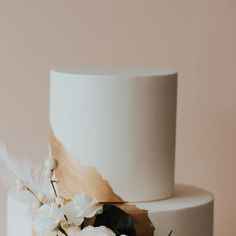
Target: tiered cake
113, 134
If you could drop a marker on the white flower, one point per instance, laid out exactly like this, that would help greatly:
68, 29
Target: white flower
81, 206
47, 218
85, 205
71, 214
95, 231
90, 231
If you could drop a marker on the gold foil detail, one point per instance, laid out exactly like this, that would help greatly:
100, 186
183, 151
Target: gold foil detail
76, 178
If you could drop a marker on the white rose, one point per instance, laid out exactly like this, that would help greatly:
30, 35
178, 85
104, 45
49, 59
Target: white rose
47, 218
96, 231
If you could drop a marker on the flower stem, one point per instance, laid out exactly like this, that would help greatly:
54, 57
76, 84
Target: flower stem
54, 189
62, 230
55, 192
53, 186
28, 189
65, 217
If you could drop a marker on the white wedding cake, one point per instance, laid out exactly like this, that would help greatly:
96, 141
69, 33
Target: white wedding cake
113, 135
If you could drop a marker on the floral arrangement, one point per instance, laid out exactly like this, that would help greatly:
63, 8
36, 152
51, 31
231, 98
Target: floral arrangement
49, 212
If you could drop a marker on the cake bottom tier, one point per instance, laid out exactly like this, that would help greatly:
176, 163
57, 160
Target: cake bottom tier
188, 213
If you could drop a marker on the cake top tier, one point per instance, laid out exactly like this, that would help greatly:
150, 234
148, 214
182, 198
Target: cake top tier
115, 72
119, 127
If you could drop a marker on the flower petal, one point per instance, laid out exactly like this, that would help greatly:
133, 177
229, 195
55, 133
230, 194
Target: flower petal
47, 218
96, 231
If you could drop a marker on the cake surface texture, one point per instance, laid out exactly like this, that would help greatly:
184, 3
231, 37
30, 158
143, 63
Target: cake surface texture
121, 125
112, 132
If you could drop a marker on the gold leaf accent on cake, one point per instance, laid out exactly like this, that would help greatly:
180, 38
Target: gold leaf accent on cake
77, 178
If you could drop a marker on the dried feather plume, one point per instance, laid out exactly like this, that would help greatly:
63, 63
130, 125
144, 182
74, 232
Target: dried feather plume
17, 173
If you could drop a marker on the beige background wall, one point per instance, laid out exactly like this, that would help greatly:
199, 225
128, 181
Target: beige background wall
196, 37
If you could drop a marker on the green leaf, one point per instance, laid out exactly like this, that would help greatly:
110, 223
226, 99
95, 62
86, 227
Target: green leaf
116, 219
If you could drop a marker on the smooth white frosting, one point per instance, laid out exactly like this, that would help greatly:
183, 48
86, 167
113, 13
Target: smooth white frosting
122, 122
116, 71
189, 212
17, 222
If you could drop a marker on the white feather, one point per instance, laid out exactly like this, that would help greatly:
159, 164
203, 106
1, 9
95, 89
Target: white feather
33, 177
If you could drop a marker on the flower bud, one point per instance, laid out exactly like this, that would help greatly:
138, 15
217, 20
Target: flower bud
36, 205
51, 163
59, 200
